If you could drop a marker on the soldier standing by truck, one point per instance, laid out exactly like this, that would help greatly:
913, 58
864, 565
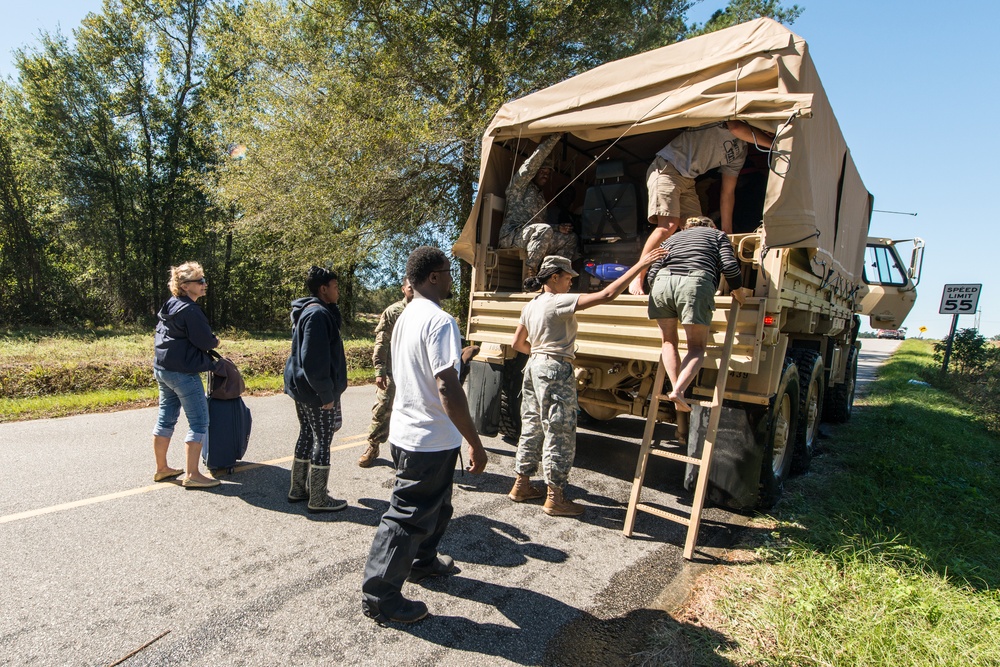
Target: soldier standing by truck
378, 431
547, 333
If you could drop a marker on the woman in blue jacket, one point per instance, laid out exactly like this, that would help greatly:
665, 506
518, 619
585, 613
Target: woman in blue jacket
316, 376
183, 340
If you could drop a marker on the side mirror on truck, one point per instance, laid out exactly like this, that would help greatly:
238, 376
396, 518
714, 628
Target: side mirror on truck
916, 258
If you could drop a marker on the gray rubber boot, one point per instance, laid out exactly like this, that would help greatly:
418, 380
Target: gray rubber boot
300, 476
319, 499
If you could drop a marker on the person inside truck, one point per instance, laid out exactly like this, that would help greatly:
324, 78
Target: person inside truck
547, 333
671, 177
526, 224
683, 286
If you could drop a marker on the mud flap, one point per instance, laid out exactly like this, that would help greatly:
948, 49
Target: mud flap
483, 389
734, 479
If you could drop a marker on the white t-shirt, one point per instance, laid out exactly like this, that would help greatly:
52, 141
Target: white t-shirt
697, 150
550, 319
425, 342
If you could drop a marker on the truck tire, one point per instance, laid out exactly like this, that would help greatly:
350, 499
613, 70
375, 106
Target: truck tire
779, 435
811, 390
510, 397
482, 386
840, 397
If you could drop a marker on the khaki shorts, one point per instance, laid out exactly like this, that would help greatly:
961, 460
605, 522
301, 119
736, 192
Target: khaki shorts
670, 194
689, 298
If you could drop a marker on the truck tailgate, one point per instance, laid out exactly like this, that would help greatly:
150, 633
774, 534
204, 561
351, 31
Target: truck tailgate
621, 329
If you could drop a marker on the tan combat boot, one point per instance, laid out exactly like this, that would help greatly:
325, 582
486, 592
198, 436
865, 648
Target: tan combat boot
524, 490
367, 459
556, 504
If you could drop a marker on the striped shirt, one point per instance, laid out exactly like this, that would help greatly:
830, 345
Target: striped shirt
699, 249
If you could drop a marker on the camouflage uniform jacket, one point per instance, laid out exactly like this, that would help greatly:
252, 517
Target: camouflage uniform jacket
524, 199
381, 355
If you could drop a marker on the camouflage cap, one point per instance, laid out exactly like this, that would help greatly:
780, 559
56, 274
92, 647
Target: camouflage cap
553, 263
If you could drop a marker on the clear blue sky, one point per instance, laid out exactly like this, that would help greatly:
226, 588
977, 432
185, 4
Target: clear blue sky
909, 84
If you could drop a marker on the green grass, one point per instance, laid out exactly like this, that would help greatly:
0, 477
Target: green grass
48, 373
887, 553
106, 400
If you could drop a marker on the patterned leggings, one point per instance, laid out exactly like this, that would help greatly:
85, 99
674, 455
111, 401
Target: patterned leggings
316, 429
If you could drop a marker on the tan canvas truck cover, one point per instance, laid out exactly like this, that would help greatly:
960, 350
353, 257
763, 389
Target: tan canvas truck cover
759, 72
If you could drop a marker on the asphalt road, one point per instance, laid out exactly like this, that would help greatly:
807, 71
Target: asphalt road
98, 561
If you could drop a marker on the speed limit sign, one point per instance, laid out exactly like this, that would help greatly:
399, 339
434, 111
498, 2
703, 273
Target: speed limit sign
960, 299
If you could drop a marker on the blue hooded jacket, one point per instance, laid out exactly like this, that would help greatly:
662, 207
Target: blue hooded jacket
316, 370
183, 337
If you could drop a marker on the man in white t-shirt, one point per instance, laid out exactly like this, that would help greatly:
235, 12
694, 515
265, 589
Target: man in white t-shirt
430, 416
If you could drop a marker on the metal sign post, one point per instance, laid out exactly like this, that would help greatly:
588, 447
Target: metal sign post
957, 300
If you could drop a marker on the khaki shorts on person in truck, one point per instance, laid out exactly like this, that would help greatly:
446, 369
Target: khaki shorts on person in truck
670, 194
689, 297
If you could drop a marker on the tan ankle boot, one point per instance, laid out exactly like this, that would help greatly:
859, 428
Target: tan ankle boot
523, 490
556, 504
368, 458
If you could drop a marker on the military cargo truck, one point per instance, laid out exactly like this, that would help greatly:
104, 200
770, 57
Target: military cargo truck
800, 234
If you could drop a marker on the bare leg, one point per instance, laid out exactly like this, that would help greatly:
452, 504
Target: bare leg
668, 353
193, 453
697, 341
160, 446
664, 228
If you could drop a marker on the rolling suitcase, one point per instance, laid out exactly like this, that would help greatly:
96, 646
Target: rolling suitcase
229, 424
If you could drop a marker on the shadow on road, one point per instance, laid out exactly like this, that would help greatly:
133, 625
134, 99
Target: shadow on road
490, 542
583, 639
266, 487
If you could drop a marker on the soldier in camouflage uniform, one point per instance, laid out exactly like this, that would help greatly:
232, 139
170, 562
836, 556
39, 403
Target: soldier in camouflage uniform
547, 333
565, 242
525, 224
378, 432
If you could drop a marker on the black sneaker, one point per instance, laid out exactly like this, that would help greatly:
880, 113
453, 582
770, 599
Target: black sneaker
441, 567
409, 611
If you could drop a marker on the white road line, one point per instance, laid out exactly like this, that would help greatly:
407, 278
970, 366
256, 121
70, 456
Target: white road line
353, 441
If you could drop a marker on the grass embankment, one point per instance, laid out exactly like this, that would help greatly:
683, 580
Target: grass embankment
886, 553
53, 374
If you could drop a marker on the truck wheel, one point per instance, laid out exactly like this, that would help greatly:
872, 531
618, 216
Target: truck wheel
811, 385
510, 397
482, 386
779, 437
840, 398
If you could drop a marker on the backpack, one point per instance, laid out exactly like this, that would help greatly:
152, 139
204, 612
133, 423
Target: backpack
225, 380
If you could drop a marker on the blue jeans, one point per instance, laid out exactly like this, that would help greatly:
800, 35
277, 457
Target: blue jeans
179, 390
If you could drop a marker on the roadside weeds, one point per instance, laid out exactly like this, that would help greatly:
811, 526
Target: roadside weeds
45, 374
885, 553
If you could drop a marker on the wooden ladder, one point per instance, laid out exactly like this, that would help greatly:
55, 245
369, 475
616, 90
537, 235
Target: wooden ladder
703, 464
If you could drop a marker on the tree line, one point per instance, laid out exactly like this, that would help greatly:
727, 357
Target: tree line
261, 136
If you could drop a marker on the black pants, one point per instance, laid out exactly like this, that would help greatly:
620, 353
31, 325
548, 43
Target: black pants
412, 527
